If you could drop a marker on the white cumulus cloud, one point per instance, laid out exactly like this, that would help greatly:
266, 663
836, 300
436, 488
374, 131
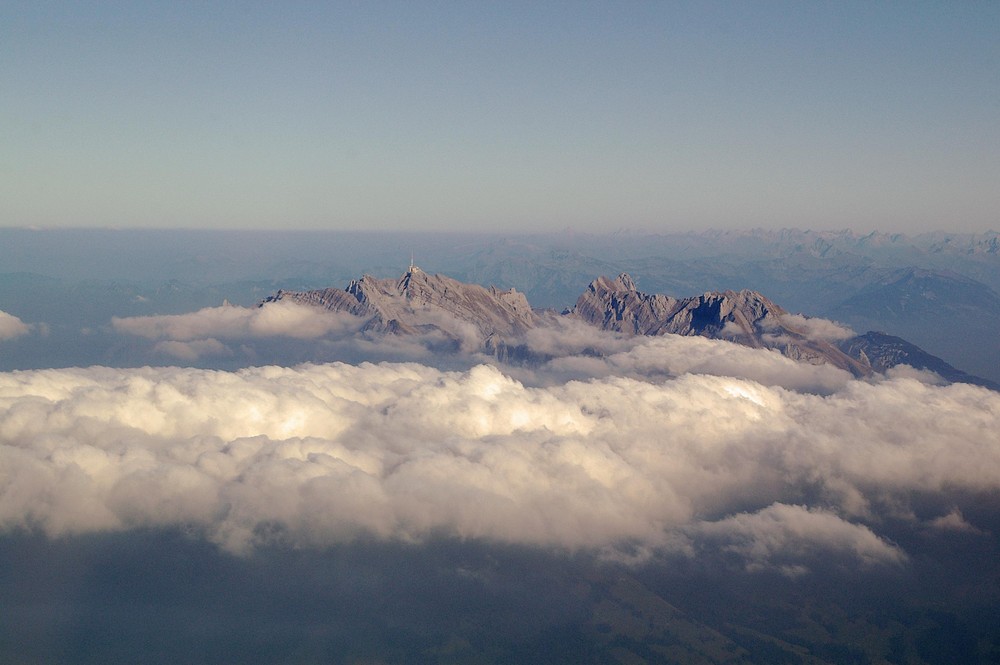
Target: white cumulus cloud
817, 329
321, 453
11, 326
278, 319
674, 355
192, 350
780, 535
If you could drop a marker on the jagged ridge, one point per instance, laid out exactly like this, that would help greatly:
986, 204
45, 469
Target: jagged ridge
494, 321
745, 317
419, 302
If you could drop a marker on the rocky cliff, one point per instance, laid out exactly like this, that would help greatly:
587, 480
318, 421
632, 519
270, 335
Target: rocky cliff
420, 303
883, 351
745, 317
474, 318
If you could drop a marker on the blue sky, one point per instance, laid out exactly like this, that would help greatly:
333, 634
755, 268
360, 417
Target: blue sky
501, 116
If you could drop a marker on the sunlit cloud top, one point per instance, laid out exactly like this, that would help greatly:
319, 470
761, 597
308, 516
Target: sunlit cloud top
319, 454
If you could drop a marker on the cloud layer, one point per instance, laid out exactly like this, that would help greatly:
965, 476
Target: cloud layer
11, 326
578, 350
322, 453
815, 328
674, 355
189, 336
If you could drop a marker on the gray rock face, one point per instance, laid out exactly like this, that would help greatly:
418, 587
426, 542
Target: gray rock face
745, 317
617, 305
493, 321
421, 303
884, 351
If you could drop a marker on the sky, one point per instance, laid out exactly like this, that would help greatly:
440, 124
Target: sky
511, 116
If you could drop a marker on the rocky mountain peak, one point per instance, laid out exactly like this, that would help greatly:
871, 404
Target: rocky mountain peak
421, 302
492, 320
618, 305
414, 276
625, 281
746, 317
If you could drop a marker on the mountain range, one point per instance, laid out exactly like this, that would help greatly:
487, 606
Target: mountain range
939, 291
494, 321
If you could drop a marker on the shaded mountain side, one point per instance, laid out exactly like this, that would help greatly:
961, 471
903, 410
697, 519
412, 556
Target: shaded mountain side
493, 321
918, 293
943, 312
882, 351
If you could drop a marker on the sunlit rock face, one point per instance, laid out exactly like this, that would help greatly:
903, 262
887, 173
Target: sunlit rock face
745, 317
618, 305
419, 303
471, 318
